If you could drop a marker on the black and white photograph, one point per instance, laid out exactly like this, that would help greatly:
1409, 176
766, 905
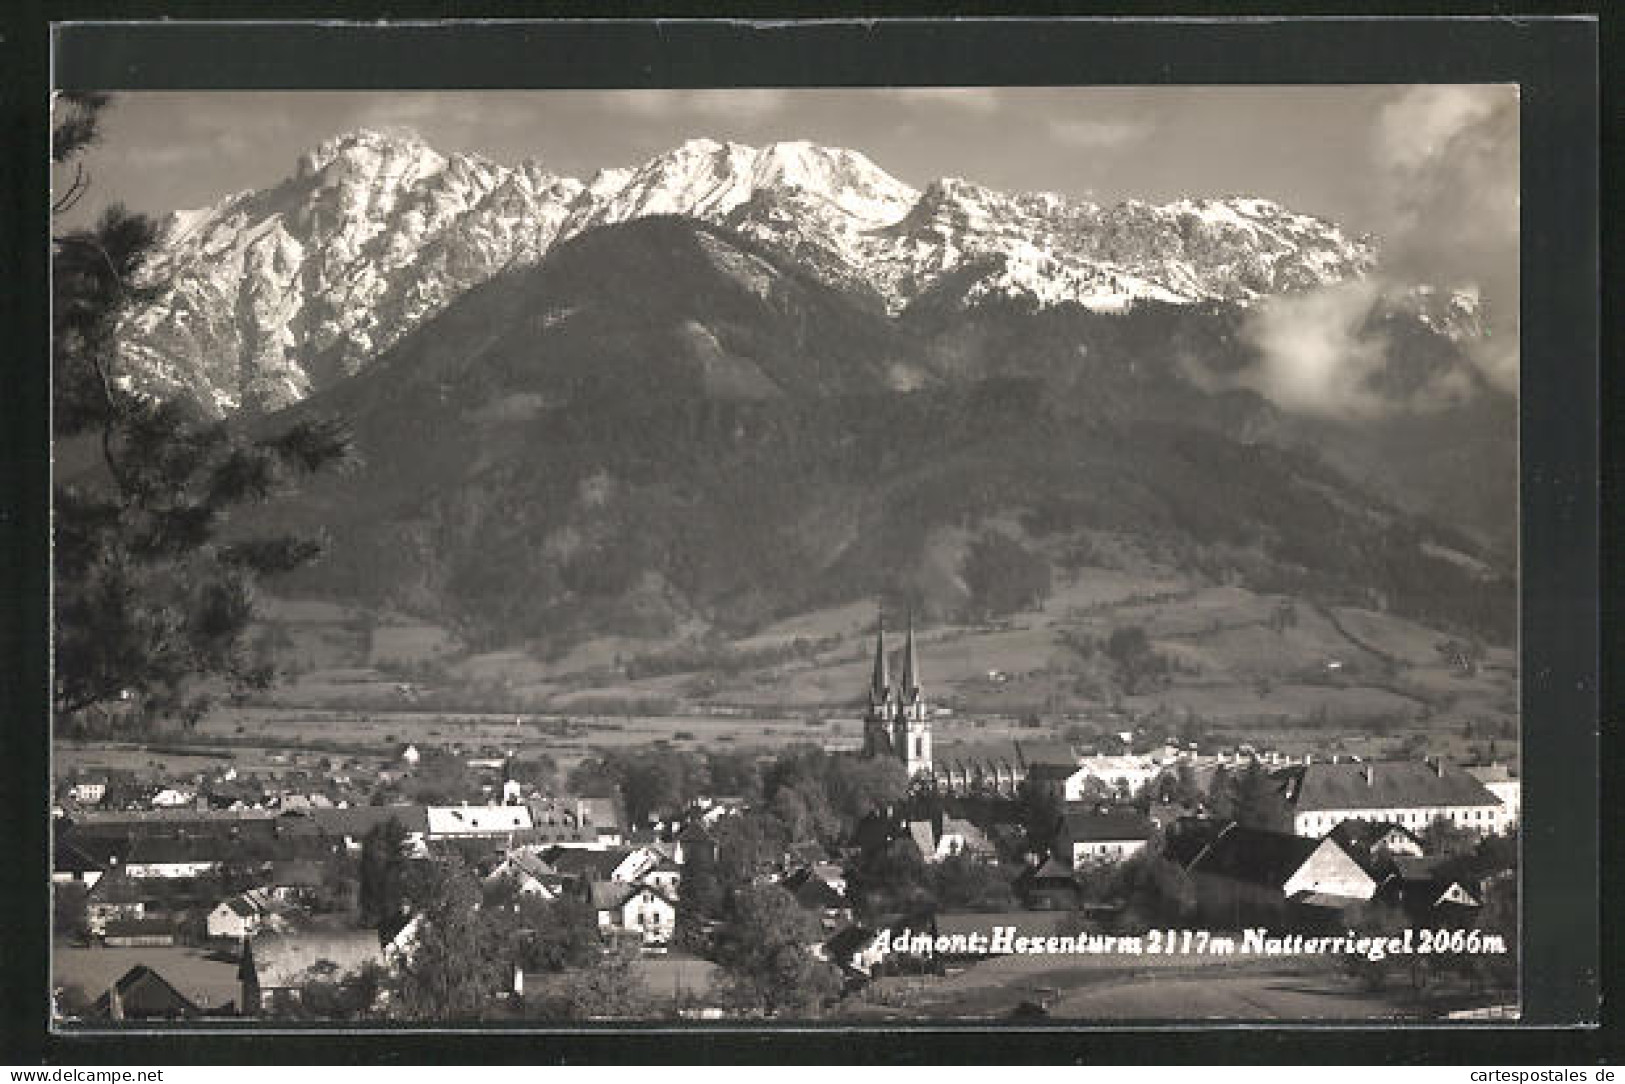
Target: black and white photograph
866, 556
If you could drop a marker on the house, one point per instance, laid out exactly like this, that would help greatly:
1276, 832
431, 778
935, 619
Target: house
1368, 838
961, 838
821, 888
1049, 886
695, 839
146, 932
143, 994
70, 865
1504, 785
275, 966
173, 798
296, 880
180, 855
925, 839
856, 950
1254, 876
352, 826
641, 911
530, 874
477, 822
1082, 778
624, 865
1096, 837
602, 817
236, 918
664, 875
1412, 794
114, 897
89, 790
400, 945
1421, 888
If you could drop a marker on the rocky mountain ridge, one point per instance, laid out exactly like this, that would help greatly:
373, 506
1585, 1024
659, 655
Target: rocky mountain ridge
269, 295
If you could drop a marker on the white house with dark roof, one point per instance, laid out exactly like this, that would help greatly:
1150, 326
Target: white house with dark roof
1248, 876
476, 821
1499, 781
1091, 837
1411, 794
635, 909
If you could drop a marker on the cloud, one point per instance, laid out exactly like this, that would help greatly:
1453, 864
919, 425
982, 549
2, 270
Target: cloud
1445, 190
1448, 178
738, 104
1096, 134
981, 101
1317, 354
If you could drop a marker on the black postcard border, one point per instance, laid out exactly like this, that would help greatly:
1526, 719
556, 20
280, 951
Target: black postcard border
1555, 60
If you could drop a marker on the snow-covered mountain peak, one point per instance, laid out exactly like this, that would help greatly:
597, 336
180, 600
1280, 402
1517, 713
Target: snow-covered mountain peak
272, 293
367, 150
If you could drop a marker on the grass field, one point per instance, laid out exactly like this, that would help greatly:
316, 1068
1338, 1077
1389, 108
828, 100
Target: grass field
1344, 680
1148, 989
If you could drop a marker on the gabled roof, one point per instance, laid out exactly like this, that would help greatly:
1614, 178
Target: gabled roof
459, 820
925, 839
69, 858
813, 888
115, 887
1387, 784
142, 992
297, 873
1255, 855
849, 941
591, 865
695, 831
241, 907
283, 959
357, 821
1052, 869
1358, 834
611, 895
975, 839
1127, 824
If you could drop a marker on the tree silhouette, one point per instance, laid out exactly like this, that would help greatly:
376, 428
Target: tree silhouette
154, 589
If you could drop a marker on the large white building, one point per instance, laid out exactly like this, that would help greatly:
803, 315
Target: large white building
1412, 794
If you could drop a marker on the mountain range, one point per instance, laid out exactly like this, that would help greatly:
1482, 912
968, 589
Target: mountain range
269, 295
734, 384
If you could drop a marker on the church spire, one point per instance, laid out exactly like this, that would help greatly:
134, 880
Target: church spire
911, 665
880, 683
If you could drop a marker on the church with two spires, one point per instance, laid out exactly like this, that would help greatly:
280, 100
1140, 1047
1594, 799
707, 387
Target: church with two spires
897, 724
898, 721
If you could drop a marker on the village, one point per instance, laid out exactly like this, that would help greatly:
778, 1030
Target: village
443, 881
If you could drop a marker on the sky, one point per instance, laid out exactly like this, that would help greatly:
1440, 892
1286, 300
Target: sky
1431, 171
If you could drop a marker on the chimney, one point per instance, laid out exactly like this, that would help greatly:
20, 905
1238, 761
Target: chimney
1438, 767
1370, 775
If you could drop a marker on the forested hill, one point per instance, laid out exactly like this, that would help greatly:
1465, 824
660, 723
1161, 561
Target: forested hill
664, 428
